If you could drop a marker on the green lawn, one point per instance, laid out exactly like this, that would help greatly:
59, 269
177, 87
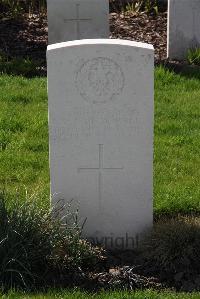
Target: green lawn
24, 140
24, 136
177, 143
105, 295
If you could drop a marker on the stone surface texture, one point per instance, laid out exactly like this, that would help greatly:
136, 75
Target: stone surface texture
183, 27
72, 20
101, 135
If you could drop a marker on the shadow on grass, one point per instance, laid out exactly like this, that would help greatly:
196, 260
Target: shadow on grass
172, 252
40, 254
29, 67
23, 43
23, 66
168, 257
183, 69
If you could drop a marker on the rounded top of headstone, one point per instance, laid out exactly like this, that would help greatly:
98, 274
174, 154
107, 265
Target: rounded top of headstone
94, 42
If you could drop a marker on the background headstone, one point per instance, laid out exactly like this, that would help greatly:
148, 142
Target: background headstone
183, 27
101, 135
77, 19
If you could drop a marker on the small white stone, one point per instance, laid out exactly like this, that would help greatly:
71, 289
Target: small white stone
101, 135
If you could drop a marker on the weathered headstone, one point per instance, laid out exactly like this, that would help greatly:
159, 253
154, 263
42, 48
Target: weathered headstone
77, 19
183, 27
101, 135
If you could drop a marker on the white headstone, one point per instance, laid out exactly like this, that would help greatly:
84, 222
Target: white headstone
101, 135
183, 27
77, 19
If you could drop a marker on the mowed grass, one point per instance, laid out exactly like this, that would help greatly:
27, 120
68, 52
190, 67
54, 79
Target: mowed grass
24, 140
177, 143
24, 136
105, 295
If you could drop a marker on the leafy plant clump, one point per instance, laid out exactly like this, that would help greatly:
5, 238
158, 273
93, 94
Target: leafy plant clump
135, 6
173, 250
16, 7
193, 56
36, 251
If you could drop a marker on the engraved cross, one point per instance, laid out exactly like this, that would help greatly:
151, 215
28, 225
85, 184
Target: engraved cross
78, 21
100, 170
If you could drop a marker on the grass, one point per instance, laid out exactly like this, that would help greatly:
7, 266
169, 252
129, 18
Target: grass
177, 143
37, 252
24, 136
104, 295
24, 140
193, 56
24, 154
